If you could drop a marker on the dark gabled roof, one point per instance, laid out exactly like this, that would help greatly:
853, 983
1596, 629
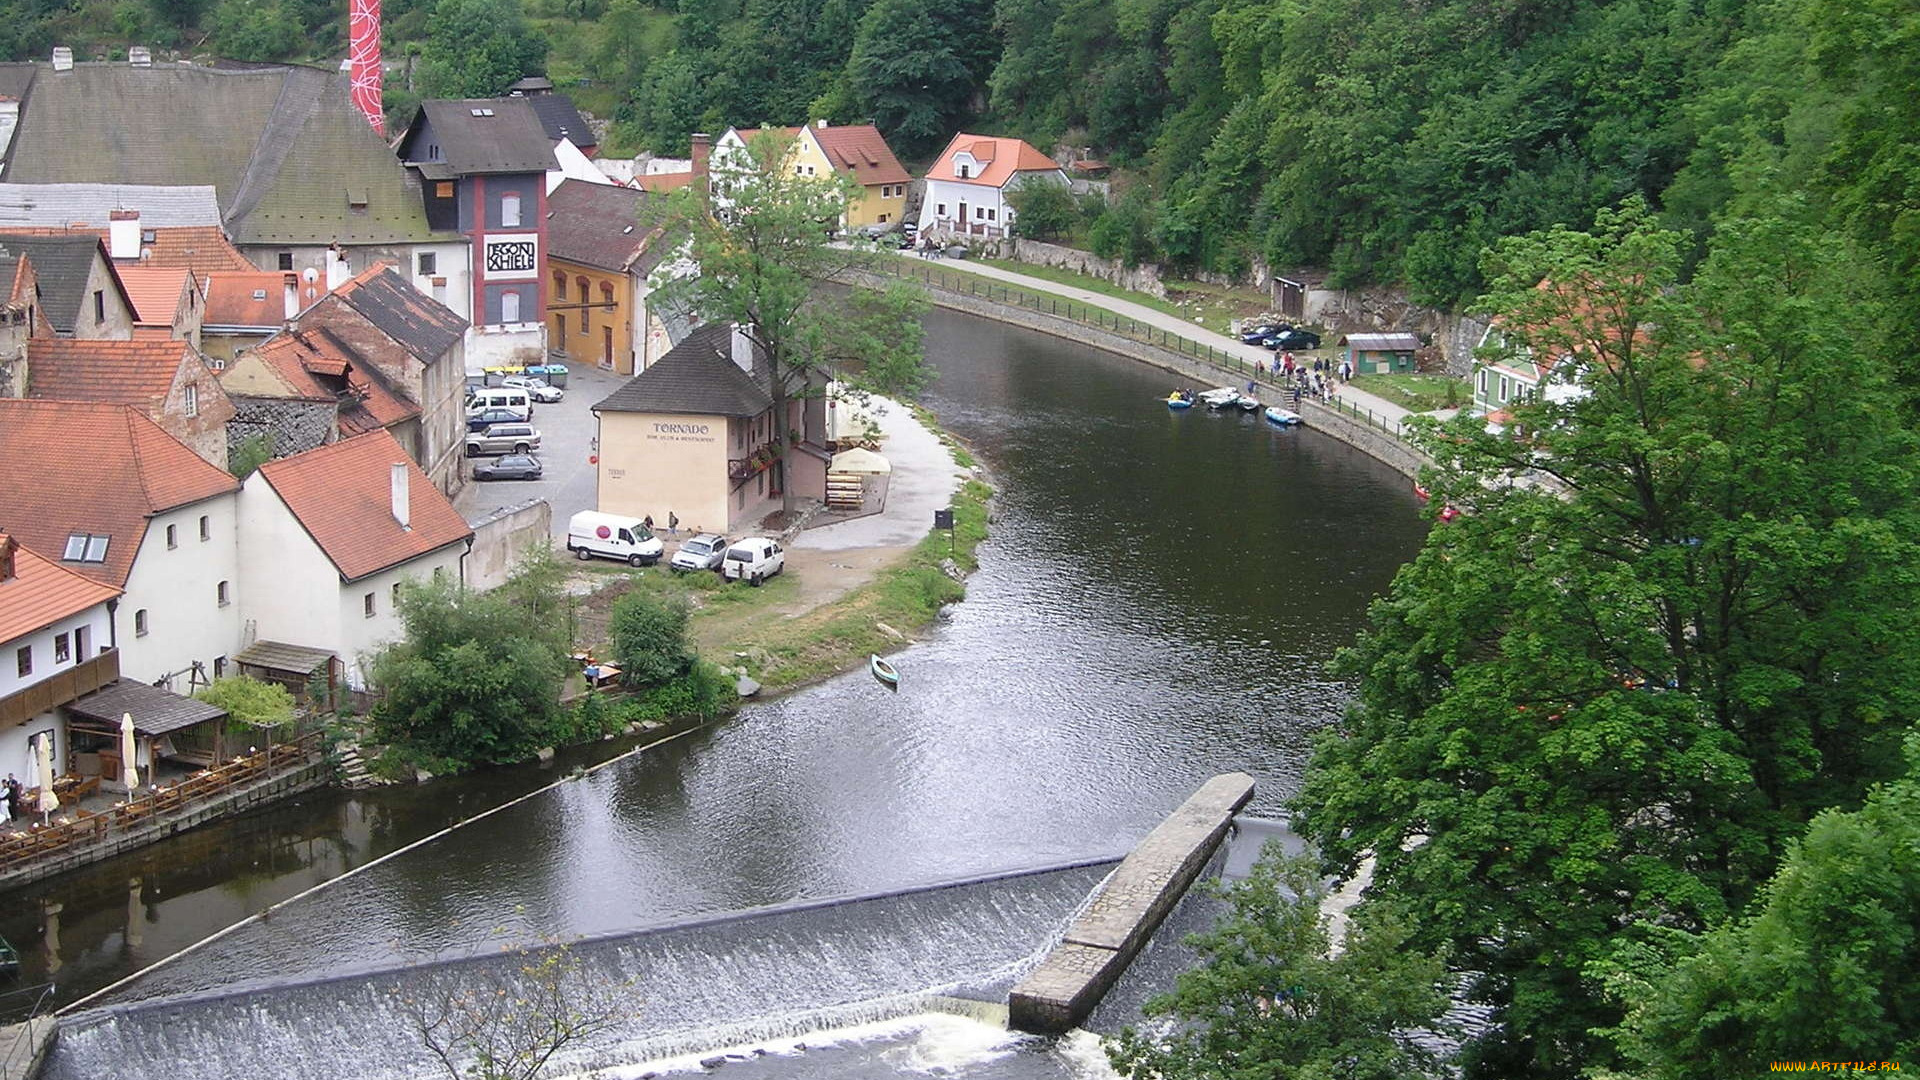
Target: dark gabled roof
485, 135
697, 377
420, 324
289, 159
599, 225
155, 711
62, 264
560, 120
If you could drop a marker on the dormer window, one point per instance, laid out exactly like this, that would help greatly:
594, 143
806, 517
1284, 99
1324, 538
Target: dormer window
259, 294
86, 547
962, 170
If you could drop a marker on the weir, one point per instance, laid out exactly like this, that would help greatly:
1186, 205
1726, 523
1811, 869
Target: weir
690, 987
1106, 936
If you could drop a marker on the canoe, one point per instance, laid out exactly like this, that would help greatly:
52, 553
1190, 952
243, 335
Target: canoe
883, 671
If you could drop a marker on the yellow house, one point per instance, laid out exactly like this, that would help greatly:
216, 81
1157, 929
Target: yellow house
692, 438
855, 151
599, 255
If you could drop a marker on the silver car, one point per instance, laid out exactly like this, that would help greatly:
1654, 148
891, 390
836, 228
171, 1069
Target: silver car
702, 552
503, 439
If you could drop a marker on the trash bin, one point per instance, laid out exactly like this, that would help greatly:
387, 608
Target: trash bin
555, 374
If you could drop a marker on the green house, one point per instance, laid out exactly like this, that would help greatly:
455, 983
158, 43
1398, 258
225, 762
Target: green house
1380, 354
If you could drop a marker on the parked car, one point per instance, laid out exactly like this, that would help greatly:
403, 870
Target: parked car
753, 560
1258, 335
503, 439
486, 418
703, 552
612, 536
1293, 339
537, 389
510, 467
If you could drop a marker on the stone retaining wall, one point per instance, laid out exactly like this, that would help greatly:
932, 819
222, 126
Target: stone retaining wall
314, 774
501, 537
1358, 434
1130, 905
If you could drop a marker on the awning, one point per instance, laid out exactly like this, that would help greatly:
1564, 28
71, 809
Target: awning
859, 461
280, 656
155, 711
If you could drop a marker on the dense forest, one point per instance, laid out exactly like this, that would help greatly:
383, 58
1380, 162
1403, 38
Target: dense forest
1383, 140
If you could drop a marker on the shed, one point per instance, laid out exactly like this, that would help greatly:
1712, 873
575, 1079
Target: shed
296, 667
165, 725
1380, 354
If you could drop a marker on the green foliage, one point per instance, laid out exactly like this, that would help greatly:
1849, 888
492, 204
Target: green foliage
905, 73
1043, 210
477, 48
666, 108
1826, 966
649, 638
477, 676
250, 703
767, 266
253, 452
1268, 1003
255, 30
1615, 702
1125, 230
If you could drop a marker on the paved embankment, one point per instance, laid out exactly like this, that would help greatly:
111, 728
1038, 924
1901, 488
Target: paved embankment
1104, 939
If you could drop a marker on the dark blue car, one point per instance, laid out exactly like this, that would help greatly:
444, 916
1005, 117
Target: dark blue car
479, 421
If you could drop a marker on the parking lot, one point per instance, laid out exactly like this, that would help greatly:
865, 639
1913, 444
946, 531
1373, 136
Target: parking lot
566, 443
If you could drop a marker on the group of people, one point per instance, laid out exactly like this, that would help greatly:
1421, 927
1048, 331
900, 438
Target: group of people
11, 794
1317, 380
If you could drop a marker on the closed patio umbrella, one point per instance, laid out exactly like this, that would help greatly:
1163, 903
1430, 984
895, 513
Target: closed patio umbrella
129, 771
49, 802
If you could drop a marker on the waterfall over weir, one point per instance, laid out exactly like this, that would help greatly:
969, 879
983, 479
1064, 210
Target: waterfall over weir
693, 986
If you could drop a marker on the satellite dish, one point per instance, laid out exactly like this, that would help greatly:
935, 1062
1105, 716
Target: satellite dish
309, 275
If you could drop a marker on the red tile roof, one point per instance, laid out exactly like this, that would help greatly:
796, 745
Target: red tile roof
41, 592
231, 299
342, 494
155, 291
202, 248
139, 372
661, 183
96, 468
859, 151
1000, 158
301, 359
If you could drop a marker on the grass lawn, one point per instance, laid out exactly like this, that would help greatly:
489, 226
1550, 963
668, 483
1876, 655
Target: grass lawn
1420, 393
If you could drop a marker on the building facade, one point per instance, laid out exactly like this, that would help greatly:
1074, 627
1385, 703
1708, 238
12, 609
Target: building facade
56, 644
967, 186
601, 257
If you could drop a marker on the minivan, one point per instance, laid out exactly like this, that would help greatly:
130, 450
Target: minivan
753, 560
502, 397
611, 536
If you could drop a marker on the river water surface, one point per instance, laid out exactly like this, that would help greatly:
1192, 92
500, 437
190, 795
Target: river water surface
1156, 605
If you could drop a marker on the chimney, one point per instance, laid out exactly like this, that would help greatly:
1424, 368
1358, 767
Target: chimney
291, 288
363, 56
338, 272
702, 145
140, 56
821, 123
7, 544
402, 508
62, 58
742, 350
123, 234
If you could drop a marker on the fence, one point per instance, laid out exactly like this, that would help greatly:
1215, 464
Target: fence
966, 284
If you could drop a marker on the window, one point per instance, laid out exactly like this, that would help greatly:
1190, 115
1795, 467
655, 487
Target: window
140, 623
86, 547
443, 189
510, 210
80, 642
206, 527
979, 212
941, 210
1483, 382
992, 214
963, 171
23, 660
99, 306
222, 595
193, 401
1503, 388
429, 263
606, 296
173, 537
219, 667
510, 307
586, 315
62, 648
366, 605
559, 285
285, 260
396, 594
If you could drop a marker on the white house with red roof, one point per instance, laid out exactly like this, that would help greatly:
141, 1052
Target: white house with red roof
56, 644
967, 187
330, 536
105, 493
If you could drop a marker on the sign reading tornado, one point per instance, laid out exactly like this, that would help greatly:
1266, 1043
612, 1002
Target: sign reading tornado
363, 54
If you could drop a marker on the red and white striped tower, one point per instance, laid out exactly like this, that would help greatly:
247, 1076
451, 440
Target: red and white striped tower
363, 54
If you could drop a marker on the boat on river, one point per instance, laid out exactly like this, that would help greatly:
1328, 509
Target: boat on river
1248, 403
1221, 398
1179, 399
883, 671
1283, 417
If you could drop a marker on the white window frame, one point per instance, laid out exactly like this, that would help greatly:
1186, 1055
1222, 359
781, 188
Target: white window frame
510, 214
193, 400
510, 308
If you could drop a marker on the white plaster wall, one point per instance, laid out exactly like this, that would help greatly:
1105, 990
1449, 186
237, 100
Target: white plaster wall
953, 194
41, 642
362, 637
291, 591
178, 588
514, 343
14, 755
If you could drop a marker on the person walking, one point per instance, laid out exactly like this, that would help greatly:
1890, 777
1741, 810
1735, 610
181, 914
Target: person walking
673, 523
13, 796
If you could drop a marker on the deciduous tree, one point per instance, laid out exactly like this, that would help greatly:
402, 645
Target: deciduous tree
477, 48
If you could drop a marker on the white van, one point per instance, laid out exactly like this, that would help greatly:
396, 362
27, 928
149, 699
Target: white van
611, 536
753, 560
501, 397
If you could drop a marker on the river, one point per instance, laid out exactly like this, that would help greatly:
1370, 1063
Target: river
1157, 604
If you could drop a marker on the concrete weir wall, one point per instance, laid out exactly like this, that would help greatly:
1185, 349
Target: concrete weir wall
1100, 944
